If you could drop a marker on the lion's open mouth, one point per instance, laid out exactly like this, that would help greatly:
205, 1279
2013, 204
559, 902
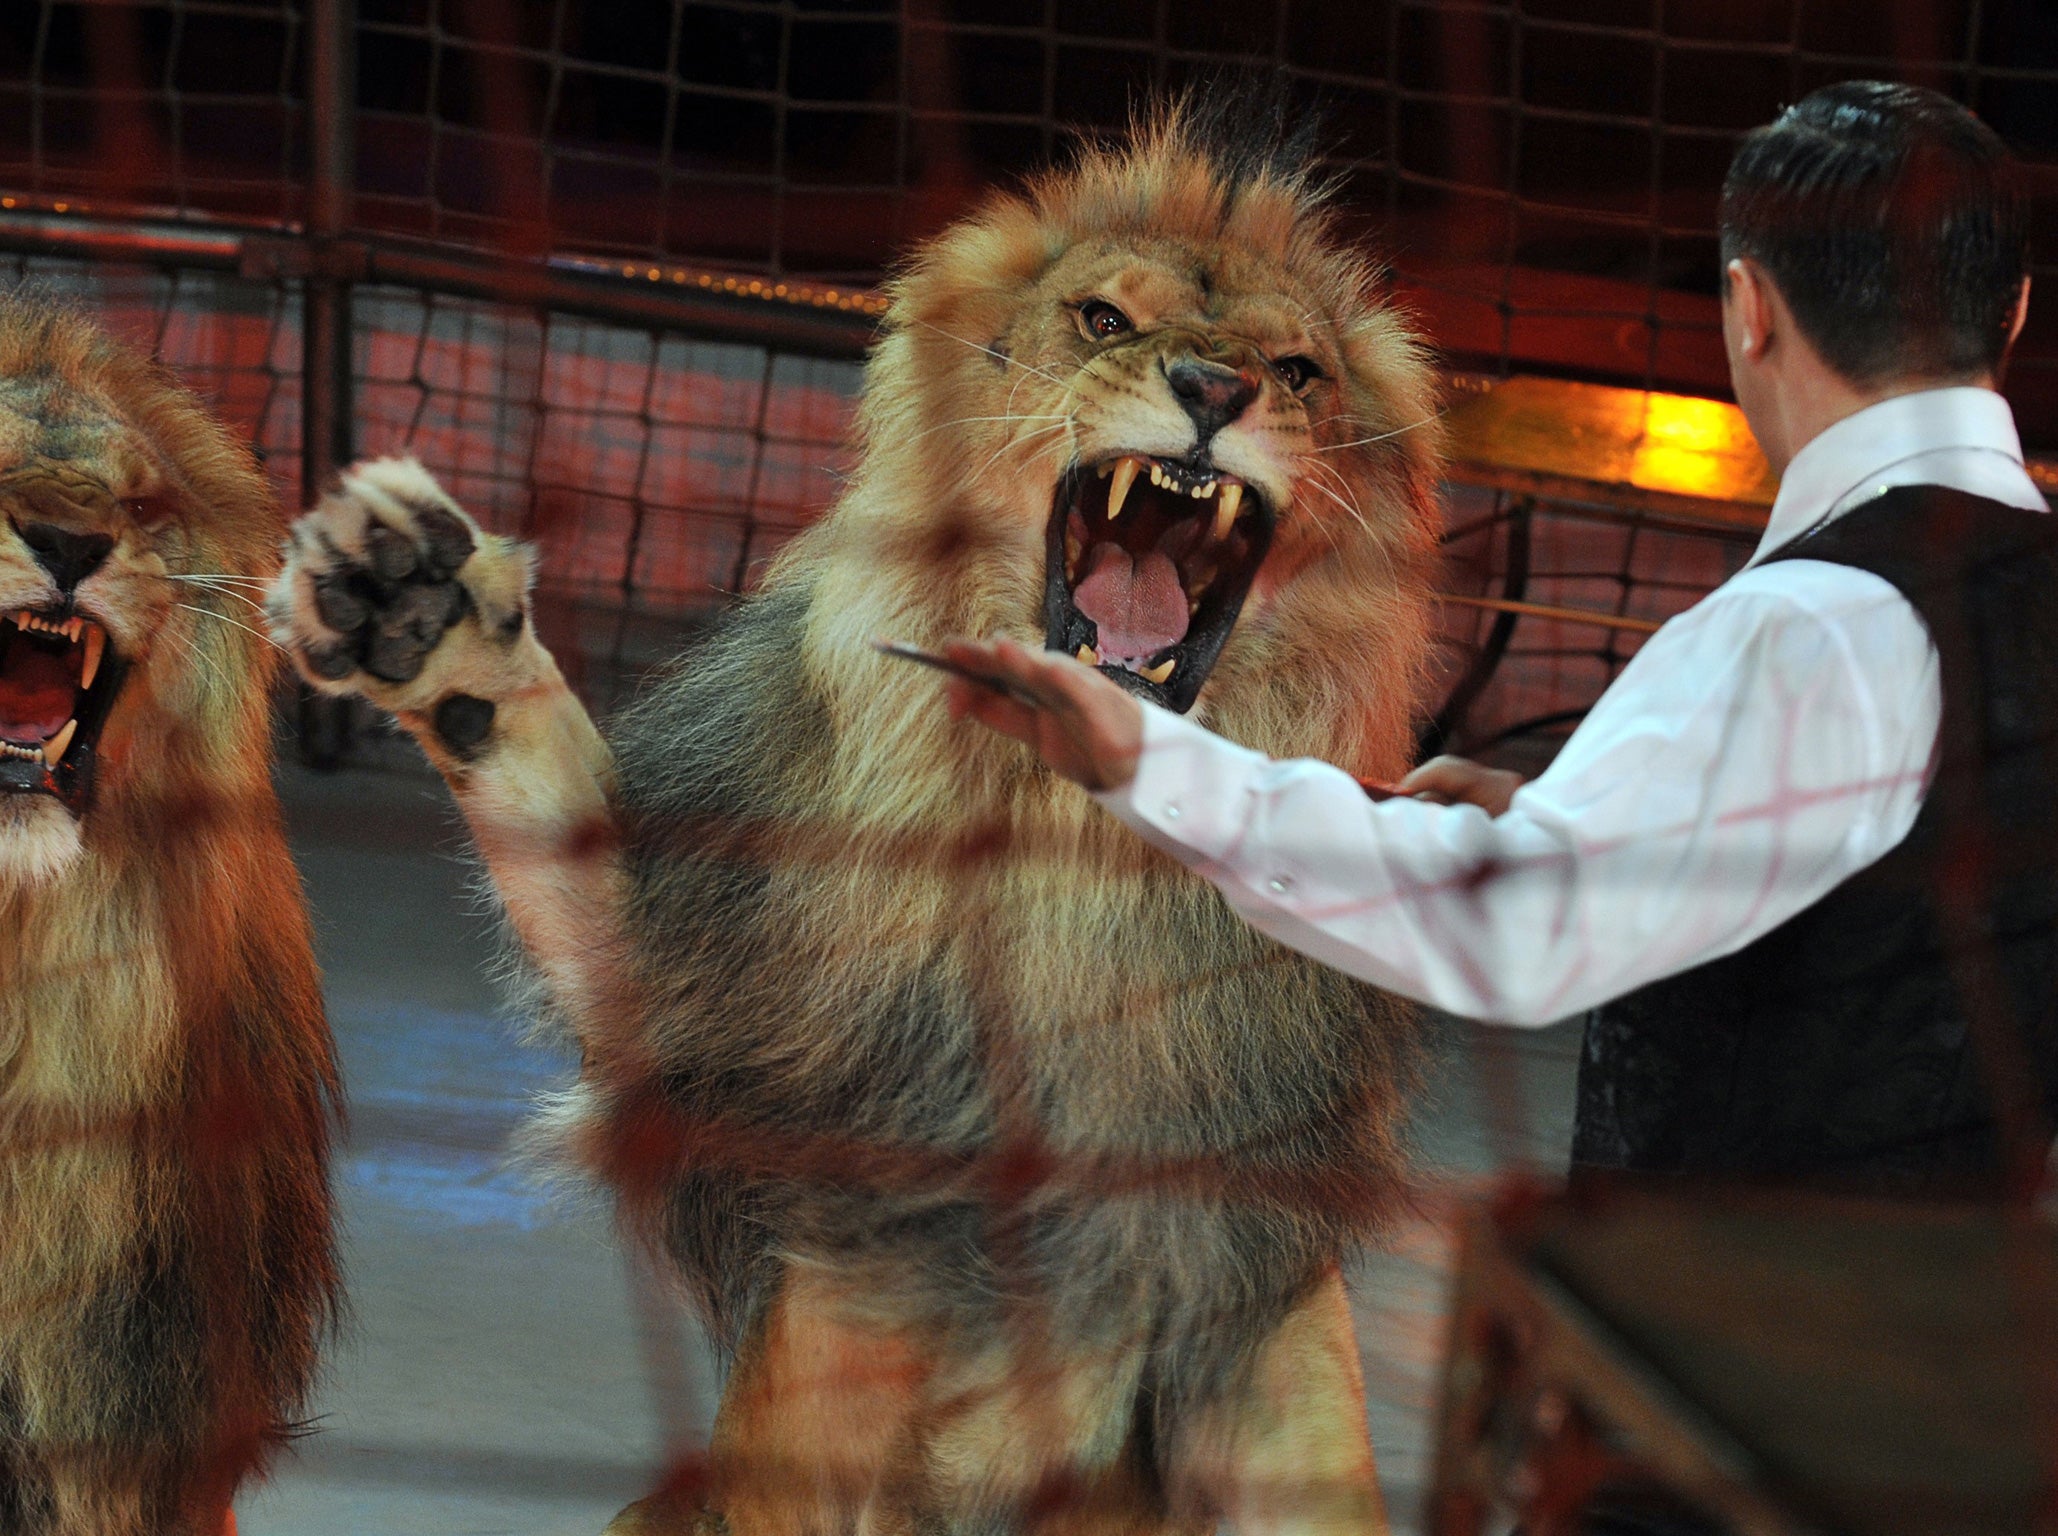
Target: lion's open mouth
58, 679
1149, 563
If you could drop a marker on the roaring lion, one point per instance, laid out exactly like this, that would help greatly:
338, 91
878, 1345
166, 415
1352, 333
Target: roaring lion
1014, 1169
167, 1264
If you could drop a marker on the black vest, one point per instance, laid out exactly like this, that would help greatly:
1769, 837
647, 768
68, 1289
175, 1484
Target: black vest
1901, 1035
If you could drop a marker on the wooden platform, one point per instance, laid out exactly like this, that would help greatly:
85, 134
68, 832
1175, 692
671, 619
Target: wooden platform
1627, 450
1791, 1365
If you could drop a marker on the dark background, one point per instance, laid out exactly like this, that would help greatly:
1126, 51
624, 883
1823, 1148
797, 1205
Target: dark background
1542, 174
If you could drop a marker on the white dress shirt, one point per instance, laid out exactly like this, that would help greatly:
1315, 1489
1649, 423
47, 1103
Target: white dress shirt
1759, 750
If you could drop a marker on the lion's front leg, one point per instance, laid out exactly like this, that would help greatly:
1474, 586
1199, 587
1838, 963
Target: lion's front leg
392, 592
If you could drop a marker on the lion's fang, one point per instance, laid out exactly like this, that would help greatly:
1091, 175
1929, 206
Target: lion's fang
1118, 487
1227, 508
1160, 672
54, 748
96, 645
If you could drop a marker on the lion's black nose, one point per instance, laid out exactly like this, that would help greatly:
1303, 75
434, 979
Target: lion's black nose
69, 557
1213, 394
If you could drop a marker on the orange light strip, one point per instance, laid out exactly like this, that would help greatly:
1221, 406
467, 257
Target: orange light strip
857, 301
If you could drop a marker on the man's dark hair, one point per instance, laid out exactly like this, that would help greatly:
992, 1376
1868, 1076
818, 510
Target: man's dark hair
1893, 222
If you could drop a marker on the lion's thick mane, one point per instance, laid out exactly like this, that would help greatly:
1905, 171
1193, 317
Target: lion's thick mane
167, 1268
887, 954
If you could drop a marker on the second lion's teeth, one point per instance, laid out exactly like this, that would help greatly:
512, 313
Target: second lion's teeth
1227, 508
1160, 672
54, 748
96, 646
1089, 655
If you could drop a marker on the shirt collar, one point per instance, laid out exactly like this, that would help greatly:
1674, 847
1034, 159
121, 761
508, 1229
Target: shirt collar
1842, 458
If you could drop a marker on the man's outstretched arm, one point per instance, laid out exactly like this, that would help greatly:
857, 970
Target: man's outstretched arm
1740, 768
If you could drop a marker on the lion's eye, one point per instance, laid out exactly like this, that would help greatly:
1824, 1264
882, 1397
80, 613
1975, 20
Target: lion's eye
1297, 372
1101, 321
147, 511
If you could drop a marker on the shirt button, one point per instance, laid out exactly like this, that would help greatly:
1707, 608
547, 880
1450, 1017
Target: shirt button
1171, 810
1279, 885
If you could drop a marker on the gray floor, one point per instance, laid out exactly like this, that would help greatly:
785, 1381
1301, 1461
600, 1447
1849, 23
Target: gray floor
505, 1371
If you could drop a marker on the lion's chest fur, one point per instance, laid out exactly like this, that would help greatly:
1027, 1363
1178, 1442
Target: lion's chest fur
88, 1041
841, 950
88, 1014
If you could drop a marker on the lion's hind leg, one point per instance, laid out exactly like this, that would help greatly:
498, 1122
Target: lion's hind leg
1287, 1452
813, 1428
839, 1420
1037, 1435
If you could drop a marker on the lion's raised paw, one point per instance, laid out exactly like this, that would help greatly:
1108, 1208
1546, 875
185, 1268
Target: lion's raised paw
389, 590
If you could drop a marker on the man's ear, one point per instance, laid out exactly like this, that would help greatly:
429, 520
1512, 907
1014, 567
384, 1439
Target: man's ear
2021, 313
1749, 291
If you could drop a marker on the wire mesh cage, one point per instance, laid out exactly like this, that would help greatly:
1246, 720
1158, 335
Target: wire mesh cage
1540, 174
610, 270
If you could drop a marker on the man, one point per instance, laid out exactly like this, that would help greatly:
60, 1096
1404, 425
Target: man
1767, 857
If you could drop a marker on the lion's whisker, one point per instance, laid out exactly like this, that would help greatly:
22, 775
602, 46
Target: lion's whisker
1380, 545
962, 421
242, 597
216, 577
198, 657
1361, 442
260, 634
992, 352
1349, 505
1023, 441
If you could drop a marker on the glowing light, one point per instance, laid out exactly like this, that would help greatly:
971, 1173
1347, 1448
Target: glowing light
1694, 447
1533, 431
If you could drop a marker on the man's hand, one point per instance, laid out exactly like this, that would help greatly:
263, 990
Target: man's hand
1082, 725
1460, 781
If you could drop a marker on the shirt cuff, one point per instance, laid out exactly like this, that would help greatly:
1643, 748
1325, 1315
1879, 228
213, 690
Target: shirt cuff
1190, 793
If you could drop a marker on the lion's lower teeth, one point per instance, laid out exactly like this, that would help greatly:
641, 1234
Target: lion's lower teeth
1160, 672
1089, 655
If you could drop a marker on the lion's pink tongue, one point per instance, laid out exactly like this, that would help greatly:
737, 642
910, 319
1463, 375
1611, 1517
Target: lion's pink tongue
1139, 606
37, 694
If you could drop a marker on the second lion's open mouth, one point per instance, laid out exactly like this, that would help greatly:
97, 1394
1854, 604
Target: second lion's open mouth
1149, 563
58, 679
